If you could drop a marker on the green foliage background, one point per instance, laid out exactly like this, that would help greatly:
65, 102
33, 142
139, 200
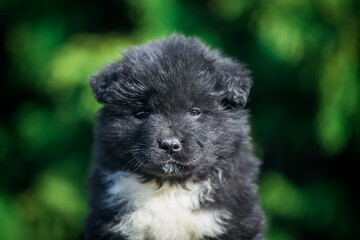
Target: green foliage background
304, 55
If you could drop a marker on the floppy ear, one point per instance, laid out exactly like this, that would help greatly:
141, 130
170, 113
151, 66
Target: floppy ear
102, 83
234, 82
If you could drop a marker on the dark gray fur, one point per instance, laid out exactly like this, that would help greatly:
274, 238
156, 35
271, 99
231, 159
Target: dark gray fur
168, 78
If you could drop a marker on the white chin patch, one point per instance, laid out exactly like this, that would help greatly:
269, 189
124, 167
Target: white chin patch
167, 213
170, 168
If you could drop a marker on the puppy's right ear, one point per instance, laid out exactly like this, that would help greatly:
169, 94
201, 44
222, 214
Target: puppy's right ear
102, 83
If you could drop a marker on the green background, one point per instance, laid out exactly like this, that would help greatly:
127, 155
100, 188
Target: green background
304, 55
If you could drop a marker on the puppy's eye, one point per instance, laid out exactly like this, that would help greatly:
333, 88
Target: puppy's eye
195, 112
142, 115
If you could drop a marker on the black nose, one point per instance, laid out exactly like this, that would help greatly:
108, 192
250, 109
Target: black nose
170, 145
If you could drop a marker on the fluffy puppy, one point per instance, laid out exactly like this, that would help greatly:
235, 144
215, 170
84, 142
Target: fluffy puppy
173, 157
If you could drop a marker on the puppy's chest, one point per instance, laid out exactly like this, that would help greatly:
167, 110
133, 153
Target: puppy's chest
170, 212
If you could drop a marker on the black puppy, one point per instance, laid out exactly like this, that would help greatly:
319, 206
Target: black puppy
173, 157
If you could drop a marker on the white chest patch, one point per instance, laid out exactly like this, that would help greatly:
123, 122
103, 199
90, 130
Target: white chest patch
168, 213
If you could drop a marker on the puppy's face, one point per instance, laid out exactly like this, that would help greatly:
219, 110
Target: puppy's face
170, 116
167, 136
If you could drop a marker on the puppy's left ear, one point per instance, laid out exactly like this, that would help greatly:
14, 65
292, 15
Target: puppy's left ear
234, 83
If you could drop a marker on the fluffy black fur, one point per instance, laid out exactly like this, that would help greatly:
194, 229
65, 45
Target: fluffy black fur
176, 88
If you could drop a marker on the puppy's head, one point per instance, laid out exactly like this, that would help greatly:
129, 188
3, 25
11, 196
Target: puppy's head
172, 109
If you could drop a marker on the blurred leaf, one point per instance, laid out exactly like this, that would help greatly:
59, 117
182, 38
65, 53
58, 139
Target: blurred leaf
10, 227
35, 127
317, 205
333, 130
229, 9
334, 10
281, 34
155, 18
31, 46
280, 234
280, 197
60, 196
339, 92
5, 143
81, 56
54, 208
